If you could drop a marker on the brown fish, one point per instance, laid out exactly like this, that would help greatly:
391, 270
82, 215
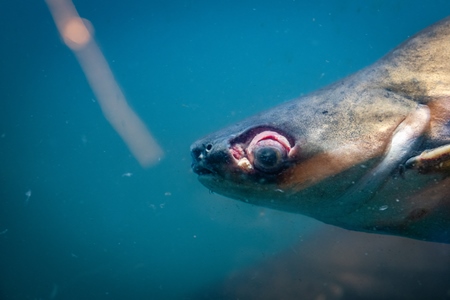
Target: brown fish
369, 153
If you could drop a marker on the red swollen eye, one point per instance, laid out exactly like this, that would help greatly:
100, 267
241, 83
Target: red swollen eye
269, 158
268, 151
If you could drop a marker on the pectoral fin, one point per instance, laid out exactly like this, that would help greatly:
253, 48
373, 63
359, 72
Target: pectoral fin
404, 140
431, 161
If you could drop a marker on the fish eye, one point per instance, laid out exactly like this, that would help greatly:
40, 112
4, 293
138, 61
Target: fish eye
269, 158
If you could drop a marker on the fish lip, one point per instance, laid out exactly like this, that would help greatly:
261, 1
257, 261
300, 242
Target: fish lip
201, 170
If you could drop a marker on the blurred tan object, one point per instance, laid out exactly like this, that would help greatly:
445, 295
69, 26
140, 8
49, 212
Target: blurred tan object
77, 34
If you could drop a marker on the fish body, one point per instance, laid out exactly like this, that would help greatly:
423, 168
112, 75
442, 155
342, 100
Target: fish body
369, 153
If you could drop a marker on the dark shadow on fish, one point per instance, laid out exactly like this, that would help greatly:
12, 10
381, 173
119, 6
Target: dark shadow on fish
340, 264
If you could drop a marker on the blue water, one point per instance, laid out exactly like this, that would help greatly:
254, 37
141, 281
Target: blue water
187, 68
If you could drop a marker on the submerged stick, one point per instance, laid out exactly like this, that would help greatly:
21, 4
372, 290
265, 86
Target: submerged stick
77, 34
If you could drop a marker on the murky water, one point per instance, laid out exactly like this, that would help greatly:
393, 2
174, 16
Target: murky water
79, 217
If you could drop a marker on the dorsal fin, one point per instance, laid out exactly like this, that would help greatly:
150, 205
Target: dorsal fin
419, 68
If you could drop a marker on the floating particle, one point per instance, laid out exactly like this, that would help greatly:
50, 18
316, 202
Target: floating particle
384, 207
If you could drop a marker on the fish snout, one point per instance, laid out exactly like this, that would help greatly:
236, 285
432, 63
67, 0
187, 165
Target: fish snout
208, 158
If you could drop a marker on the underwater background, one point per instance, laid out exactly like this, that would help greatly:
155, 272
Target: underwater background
80, 218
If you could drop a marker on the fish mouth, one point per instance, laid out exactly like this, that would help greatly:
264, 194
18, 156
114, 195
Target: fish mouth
200, 169
209, 157
200, 164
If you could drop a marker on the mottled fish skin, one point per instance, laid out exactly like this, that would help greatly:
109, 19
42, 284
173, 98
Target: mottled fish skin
367, 153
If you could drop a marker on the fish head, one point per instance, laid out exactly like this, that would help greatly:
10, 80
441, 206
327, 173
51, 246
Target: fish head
296, 155
248, 165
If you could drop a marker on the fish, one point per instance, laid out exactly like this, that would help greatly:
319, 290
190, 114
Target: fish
369, 153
